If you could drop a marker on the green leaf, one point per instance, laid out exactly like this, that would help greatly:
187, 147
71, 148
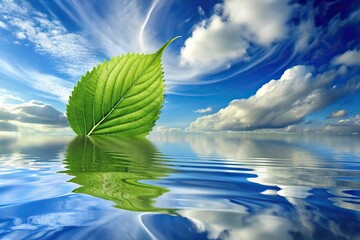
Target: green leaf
114, 169
122, 96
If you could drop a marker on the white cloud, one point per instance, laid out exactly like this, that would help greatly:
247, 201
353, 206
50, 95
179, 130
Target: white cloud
349, 58
201, 11
227, 34
337, 114
165, 129
113, 33
20, 35
215, 42
305, 34
7, 99
111, 28
34, 112
32, 116
49, 37
39, 113
3, 25
278, 103
204, 110
49, 84
231, 226
264, 19
345, 126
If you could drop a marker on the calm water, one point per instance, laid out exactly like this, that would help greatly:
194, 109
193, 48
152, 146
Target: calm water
210, 186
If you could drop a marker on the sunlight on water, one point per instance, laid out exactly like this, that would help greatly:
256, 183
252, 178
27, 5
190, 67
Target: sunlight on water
180, 186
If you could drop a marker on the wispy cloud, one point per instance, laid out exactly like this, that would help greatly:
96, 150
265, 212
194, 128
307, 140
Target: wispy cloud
201, 11
3, 25
213, 46
49, 84
8, 99
49, 37
141, 35
245, 33
349, 58
119, 28
204, 110
126, 27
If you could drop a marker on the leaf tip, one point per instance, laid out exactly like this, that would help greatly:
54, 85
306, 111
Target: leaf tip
161, 50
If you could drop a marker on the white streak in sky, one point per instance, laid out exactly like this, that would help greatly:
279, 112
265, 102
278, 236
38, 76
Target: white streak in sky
141, 35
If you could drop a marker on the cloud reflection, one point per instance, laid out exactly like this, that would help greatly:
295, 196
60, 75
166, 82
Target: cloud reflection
28, 166
36, 200
298, 170
282, 160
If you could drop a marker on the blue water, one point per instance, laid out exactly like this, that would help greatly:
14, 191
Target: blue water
180, 186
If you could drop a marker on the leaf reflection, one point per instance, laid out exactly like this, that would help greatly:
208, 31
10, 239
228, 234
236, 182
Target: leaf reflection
112, 168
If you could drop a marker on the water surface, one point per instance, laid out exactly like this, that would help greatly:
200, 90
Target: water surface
180, 186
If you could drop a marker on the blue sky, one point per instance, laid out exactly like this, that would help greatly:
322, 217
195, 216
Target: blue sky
240, 64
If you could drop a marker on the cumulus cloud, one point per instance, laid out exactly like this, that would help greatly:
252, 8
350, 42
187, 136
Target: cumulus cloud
265, 20
32, 116
227, 34
166, 129
7, 127
213, 43
345, 126
337, 114
48, 37
349, 58
204, 110
39, 113
6, 115
278, 103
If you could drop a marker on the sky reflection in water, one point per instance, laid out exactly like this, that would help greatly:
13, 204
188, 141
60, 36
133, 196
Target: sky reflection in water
177, 186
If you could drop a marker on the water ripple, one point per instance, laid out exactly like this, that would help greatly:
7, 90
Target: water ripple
223, 186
